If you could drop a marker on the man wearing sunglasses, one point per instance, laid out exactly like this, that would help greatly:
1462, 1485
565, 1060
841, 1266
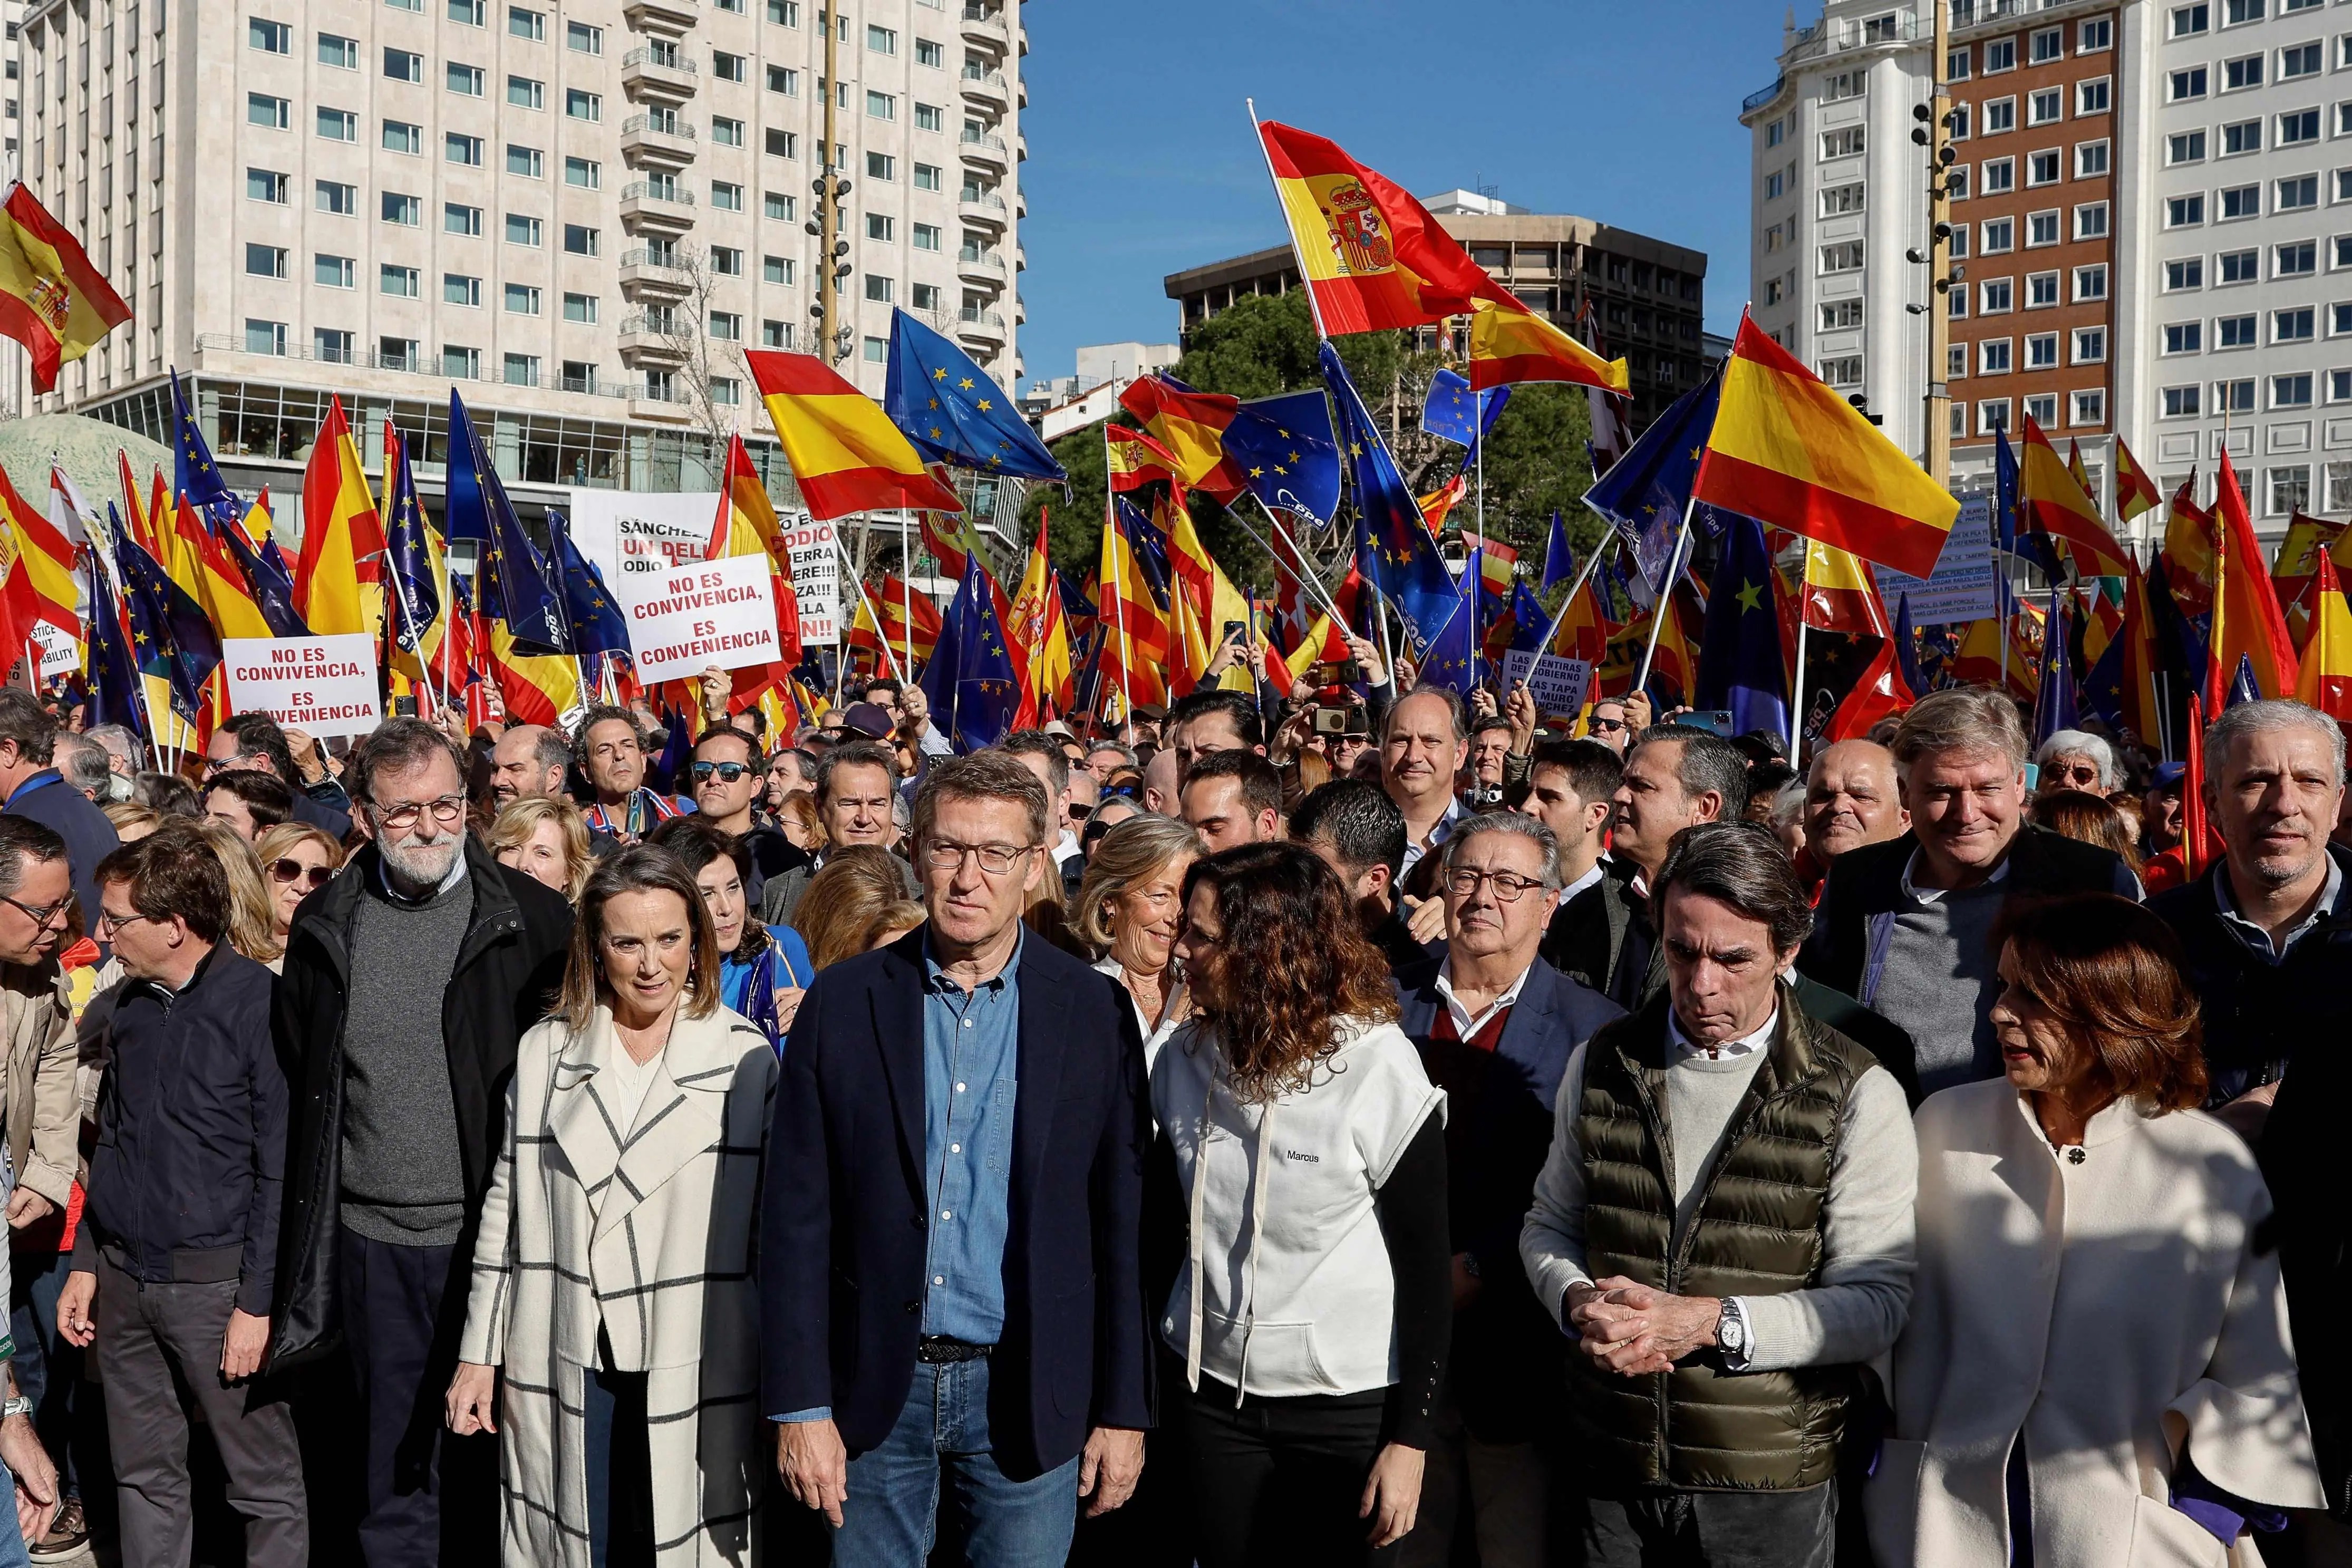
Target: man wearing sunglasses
729, 774
407, 982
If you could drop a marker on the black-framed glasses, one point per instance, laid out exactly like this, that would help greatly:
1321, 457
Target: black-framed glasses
449, 810
996, 859
1509, 886
728, 773
286, 869
108, 921
1605, 726
43, 918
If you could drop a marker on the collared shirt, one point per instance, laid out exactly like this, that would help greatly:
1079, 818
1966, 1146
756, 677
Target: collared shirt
1467, 1024
1683, 1046
972, 1046
1593, 875
2259, 942
1064, 847
1919, 895
1437, 836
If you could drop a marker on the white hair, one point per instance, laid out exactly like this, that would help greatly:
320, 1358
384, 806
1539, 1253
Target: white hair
2271, 713
2080, 743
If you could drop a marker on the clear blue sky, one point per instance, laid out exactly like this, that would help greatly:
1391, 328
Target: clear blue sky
1141, 162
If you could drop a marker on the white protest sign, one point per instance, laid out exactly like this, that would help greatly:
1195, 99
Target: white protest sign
712, 612
1557, 684
60, 655
632, 534
816, 577
1961, 587
323, 685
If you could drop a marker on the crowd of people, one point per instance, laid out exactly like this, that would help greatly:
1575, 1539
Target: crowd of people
1408, 1134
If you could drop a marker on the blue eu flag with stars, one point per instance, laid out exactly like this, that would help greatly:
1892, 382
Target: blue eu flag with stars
1739, 654
1452, 655
1645, 492
515, 583
952, 412
597, 627
1393, 547
969, 680
1286, 452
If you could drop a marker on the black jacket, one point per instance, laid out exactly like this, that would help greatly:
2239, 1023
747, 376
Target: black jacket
843, 1232
1592, 934
184, 1179
509, 968
1855, 916
2256, 1012
1506, 1366
1890, 1043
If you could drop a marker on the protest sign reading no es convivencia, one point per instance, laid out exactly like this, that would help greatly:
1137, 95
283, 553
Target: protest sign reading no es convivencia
321, 685
713, 613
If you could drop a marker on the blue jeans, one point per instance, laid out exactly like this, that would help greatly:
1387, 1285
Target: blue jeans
12, 1539
894, 1488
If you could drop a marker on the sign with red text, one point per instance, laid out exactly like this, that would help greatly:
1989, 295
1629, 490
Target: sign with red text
321, 686
711, 613
817, 576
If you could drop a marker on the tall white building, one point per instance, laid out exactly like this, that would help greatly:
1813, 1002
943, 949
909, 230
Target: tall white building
577, 211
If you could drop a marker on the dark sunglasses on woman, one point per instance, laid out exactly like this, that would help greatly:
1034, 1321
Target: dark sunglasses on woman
313, 877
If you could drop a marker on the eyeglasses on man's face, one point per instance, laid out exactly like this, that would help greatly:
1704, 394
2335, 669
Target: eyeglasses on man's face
108, 921
726, 773
42, 918
1509, 886
995, 859
401, 816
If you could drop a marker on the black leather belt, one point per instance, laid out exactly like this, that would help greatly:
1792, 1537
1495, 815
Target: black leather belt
937, 1350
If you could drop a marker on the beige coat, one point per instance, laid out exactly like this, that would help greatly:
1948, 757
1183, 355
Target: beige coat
2114, 1311
42, 1098
651, 1238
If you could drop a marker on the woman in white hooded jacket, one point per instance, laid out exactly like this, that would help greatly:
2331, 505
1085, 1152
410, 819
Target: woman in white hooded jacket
2096, 1366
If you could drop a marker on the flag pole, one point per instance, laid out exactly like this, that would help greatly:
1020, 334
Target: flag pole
1305, 573
1110, 522
1796, 694
881, 631
1614, 540
906, 584
1665, 604
1314, 308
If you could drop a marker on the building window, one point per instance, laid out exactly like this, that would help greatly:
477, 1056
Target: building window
2184, 338
2241, 202
782, 208
1999, 115
783, 144
775, 334
2291, 391
523, 92
581, 39
930, 116
2293, 325
927, 177
334, 271
726, 196
269, 37
522, 299
2090, 159
779, 269
928, 53
2184, 212
727, 262
400, 282
270, 113
926, 237
729, 67
458, 218
2184, 274
2290, 489
265, 185
264, 260
2042, 409
340, 52
2233, 396
727, 326
470, 13
2180, 402
2296, 259
1992, 415
2297, 194
1999, 175
1992, 356
2041, 228
456, 289
1997, 295
2090, 345
2047, 45
2234, 332
881, 166
465, 81
461, 363
2240, 74
1844, 142
2041, 351
1843, 371
2183, 85
881, 106
525, 24
264, 337
2185, 147
879, 290
725, 132
526, 163
2091, 282
466, 150
875, 350
582, 173
2095, 36
2244, 137
2088, 406
521, 370
881, 228
582, 239
2298, 127
2046, 106
402, 137
580, 309
581, 105
882, 40
2040, 291
2188, 21
406, 212
2299, 60
522, 230
2339, 475
2339, 320
1845, 257
2091, 221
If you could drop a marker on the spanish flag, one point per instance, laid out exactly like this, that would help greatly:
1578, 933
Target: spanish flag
2246, 619
1134, 459
2051, 497
537, 688
1134, 657
950, 538
1373, 257
1511, 343
844, 450
1841, 595
2325, 680
746, 525
201, 565
52, 299
894, 601
1190, 427
46, 559
1038, 632
2187, 554
1792, 454
339, 575
17, 612
2135, 491
1202, 602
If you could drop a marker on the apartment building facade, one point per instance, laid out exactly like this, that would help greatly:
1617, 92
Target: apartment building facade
1646, 296
577, 212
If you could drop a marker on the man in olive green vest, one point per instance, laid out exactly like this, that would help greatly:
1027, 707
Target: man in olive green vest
1725, 1225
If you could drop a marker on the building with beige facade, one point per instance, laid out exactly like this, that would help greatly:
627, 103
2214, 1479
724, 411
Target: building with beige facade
577, 212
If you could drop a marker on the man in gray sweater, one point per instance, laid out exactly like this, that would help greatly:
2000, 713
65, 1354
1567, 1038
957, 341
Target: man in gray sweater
1725, 1225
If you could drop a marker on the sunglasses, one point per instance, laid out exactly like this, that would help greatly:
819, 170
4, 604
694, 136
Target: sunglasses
729, 772
313, 877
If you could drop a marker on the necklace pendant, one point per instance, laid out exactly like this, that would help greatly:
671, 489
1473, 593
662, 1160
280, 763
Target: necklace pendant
2074, 1155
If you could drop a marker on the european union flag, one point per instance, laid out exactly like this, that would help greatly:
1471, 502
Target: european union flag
1528, 620
1646, 491
114, 689
516, 582
415, 596
173, 636
969, 680
1740, 652
1907, 647
1449, 659
2243, 687
1445, 413
265, 577
1559, 561
2033, 544
1150, 547
1394, 545
2054, 709
195, 473
952, 412
597, 627
1288, 454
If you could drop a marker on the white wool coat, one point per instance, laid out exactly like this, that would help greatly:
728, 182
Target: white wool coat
2112, 1309
652, 1236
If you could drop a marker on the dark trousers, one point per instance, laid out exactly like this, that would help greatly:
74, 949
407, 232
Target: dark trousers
1714, 1530
157, 1343
1278, 1481
429, 1497
620, 1467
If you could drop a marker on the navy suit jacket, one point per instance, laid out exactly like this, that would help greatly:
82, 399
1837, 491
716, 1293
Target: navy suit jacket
89, 837
844, 1222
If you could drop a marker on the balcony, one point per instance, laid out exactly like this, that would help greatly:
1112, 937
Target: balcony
985, 150
982, 206
1020, 311
643, 277
645, 140
984, 25
649, 403
663, 16
647, 339
976, 325
671, 79
646, 208
981, 267
987, 89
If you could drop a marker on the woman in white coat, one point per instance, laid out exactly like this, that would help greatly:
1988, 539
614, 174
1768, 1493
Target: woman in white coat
2097, 1367
1130, 910
613, 1278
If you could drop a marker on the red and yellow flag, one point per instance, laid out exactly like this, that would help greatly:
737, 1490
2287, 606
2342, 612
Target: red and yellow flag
1190, 427
950, 538
1134, 460
2246, 619
201, 564
2135, 491
537, 688
746, 525
1372, 256
2052, 498
844, 450
2325, 680
1036, 627
1511, 343
899, 606
1134, 658
52, 299
339, 576
46, 559
1841, 595
1792, 454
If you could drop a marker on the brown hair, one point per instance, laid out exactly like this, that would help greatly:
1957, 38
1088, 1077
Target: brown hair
984, 775
172, 872
1292, 962
836, 914
2071, 814
2109, 971
640, 868
800, 806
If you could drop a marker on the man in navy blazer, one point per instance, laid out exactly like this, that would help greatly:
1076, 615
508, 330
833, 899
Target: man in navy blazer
950, 1285
1495, 1026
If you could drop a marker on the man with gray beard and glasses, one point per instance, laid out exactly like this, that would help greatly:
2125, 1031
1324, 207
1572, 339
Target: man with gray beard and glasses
408, 980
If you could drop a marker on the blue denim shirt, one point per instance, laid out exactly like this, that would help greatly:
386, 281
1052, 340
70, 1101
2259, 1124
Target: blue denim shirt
971, 1046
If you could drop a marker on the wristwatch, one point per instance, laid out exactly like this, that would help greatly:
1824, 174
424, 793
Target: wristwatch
1731, 1335
20, 1406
